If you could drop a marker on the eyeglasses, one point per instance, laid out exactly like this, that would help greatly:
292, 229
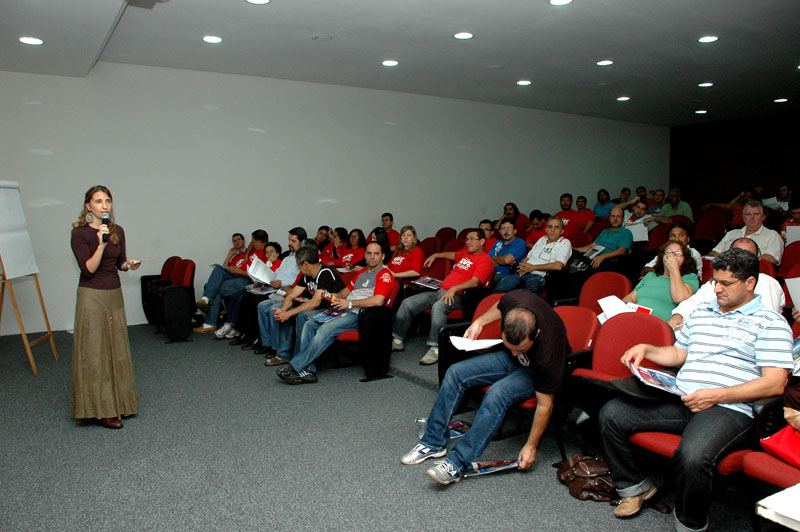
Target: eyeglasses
471, 238
676, 253
726, 284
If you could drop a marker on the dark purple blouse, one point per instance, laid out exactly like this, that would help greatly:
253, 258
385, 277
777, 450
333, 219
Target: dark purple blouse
84, 244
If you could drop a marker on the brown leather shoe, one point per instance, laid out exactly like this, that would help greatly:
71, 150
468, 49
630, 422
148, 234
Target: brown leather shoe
111, 423
275, 361
204, 328
630, 506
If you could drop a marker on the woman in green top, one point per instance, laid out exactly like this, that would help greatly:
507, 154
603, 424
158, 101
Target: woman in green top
673, 279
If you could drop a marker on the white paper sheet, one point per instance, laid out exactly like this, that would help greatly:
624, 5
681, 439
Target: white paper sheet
465, 344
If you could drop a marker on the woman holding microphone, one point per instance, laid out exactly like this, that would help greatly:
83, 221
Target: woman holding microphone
103, 385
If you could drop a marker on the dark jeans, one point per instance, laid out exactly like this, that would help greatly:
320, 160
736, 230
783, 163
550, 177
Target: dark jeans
705, 438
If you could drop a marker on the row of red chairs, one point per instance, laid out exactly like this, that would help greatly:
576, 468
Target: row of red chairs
168, 298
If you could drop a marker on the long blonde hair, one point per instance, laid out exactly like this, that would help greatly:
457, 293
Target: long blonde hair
401, 250
81, 221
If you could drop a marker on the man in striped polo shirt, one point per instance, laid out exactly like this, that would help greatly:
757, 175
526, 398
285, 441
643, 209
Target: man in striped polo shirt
731, 351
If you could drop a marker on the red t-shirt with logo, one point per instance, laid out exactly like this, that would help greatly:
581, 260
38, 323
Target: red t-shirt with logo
466, 266
404, 263
350, 257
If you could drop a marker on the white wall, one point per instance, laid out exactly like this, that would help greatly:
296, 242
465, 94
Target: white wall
192, 157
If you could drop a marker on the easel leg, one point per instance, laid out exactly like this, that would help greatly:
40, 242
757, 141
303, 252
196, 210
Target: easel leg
21, 327
46, 320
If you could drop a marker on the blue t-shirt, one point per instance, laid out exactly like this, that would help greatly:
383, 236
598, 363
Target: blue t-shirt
516, 247
612, 240
603, 210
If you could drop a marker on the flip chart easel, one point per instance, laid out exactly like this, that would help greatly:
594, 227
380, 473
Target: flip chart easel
28, 344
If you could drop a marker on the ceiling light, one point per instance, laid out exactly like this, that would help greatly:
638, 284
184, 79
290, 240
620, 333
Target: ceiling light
495, 67
212, 39
605, 62
705, 84
258, 2
623, 98
700, 112
463, 36
524, 82
560, 2
781, 100
321, 37
33, 41
708, 38
390, 63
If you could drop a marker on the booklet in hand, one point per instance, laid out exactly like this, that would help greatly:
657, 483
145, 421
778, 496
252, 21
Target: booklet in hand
657, 379
428, 282
486, 468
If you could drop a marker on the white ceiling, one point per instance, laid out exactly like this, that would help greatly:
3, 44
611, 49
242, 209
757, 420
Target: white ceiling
658, 61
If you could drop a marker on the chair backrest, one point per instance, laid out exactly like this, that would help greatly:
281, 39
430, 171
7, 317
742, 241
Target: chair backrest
791, 257
657, 237
679, 218
347, 276
438, 269
598, 227
622, 332
169, 264
581, 239
462, 235
796, 329
766, 268
582, 325
600, 285
176, 276
454, 245
187, 277
393, 294
710, 226
445, 234
707, 272
490, 330
430, 246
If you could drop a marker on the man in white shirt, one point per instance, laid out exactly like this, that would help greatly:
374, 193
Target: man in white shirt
769, 289
549, 253
769, 242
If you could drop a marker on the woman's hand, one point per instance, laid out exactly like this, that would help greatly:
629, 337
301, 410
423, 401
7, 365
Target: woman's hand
103, 230
133, 264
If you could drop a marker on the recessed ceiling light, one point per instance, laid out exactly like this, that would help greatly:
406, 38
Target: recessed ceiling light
524, 82
212, 39
781, 100
321, 37
560, 2
605, 62
623, 98
708, 38
463, 36
700, 112
33, 41
390, 63
705, 84
257, 2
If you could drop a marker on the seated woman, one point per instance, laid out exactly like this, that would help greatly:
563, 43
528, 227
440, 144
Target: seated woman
336, 248
673, 279
354, 254
380, 236
407, 260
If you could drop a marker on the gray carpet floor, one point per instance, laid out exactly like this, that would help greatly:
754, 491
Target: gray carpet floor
220, 443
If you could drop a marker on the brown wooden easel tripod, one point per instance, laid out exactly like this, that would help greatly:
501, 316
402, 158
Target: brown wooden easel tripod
7, 282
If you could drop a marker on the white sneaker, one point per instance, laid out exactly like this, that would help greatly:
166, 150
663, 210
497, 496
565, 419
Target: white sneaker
397, 345
420, 453
233, 333
431, 357
222, 331
444, 473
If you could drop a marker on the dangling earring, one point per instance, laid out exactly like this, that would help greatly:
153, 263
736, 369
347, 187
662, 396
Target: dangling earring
89, 217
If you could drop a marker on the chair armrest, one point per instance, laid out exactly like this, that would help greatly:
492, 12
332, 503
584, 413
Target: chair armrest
579, 359
569, 301
471, 297
768, 415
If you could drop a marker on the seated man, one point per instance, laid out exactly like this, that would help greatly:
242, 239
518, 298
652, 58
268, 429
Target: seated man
588, 214
550, 253
731, 351
507, 251
316, 282
574, 221
234, 258
767, 287
616, 242
472, 267
229, 280
536, 229
769, 241
490, 241
369, 288
387, 222
530, 362
674, 207
638, 215
794, 220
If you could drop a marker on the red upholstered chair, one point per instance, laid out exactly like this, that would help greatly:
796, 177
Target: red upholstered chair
352, 336
679, 218
600, 285
657, 237
438, 269
598, 227
790, 259
581, 239
582, 326
462, 235
766, 268
454, 245
766, 468
147, 283
347, 276
707, 272
430, 246
616, 336
176, 303
711, 226
445, 234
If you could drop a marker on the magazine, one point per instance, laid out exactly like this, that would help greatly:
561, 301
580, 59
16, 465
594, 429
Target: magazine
260, 272
657, 379
456, 429
428, 282
486, 468
326, 316
595, 251
259, 289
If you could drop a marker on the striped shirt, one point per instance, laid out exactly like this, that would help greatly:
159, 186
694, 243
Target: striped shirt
728, 349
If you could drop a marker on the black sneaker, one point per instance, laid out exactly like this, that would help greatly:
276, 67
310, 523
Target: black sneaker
290, 376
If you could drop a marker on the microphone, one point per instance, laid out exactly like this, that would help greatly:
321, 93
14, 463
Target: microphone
104, 220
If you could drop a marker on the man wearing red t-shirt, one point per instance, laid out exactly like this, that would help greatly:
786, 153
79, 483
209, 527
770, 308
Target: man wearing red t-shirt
472, 267
387, 221
574, 222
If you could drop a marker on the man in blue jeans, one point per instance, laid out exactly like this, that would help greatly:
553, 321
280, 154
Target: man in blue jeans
370, 288
731, 351
531, 361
